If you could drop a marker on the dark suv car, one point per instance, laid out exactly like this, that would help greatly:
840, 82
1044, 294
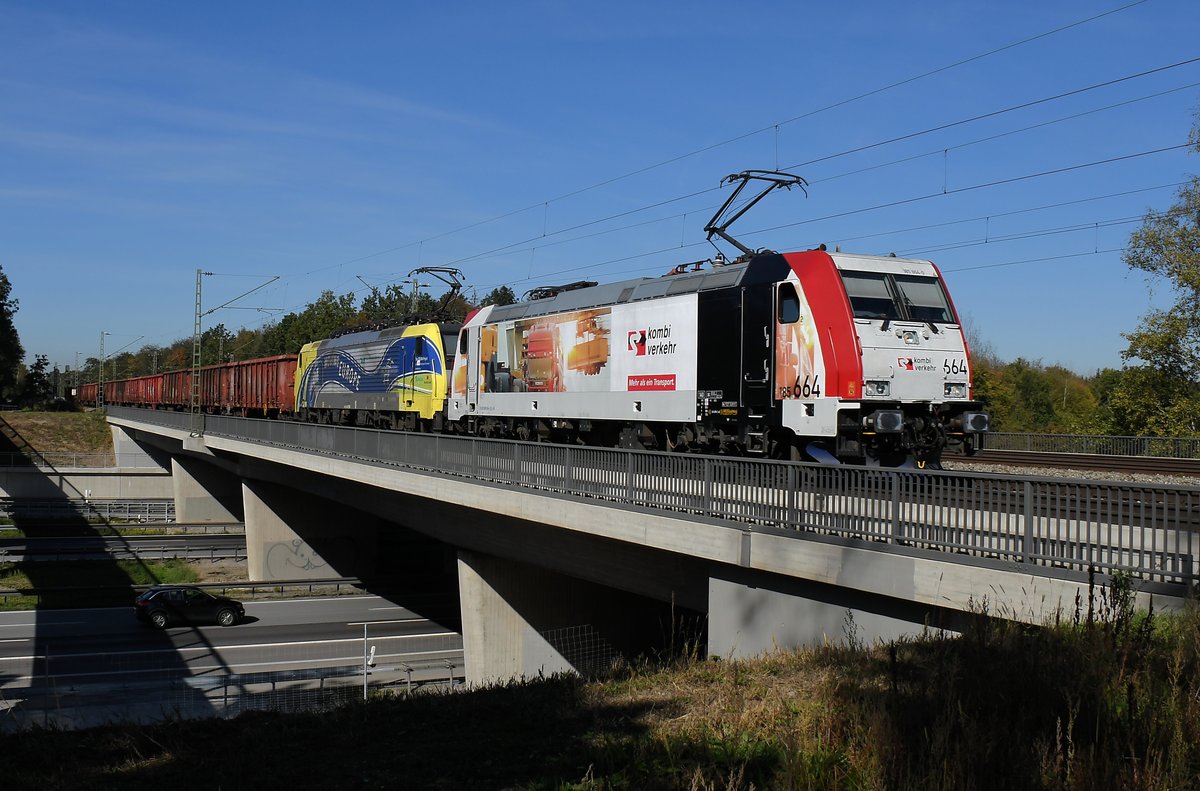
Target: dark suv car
166, 605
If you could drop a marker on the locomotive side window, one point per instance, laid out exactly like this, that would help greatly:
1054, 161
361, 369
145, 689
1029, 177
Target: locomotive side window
789, 304
869, 295
924, 298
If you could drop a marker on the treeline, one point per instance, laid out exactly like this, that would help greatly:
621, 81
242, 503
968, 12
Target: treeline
330, 314
1028, 396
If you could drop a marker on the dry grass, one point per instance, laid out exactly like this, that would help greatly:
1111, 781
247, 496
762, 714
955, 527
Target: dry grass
62, 432
1114, 703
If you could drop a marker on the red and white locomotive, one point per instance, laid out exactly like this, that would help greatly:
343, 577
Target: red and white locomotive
819, 355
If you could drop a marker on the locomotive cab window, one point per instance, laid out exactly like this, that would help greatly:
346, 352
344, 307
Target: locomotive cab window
870, 297
924, 299
789, 304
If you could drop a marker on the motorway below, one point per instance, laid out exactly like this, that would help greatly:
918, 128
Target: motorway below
82, 666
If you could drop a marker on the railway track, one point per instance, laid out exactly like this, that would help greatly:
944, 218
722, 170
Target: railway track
1149, 465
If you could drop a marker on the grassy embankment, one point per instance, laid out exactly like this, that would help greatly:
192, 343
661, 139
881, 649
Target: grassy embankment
84, 433
1109, 704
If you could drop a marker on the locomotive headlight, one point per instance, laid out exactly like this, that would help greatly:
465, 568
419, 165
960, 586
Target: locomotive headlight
878, 389
956, 390
911, 338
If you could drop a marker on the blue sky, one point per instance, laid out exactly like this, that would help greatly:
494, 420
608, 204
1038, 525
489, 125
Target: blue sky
529, 143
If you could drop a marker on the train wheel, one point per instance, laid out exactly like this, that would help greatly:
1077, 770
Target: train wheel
781, 446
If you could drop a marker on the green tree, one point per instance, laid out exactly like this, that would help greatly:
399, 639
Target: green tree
1164, 352
37, 389
501, 295
388, 306
11, 351
326, 316
216, 345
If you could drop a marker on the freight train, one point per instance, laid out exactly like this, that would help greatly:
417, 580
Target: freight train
814, 355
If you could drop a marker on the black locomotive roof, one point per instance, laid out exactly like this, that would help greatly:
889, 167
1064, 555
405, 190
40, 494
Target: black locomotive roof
640, 289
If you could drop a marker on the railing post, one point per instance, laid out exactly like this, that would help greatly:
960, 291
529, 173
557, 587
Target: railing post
897, 526
709, 505
569, 472
629, 476
1027, 551
791, 514
517, 475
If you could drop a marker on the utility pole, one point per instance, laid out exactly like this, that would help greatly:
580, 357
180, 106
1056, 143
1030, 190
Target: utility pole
197, 420
100, 375
197, 424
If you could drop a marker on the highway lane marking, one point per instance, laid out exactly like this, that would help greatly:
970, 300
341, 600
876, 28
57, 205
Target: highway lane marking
43, 623
374, 623
17, 640
315, 598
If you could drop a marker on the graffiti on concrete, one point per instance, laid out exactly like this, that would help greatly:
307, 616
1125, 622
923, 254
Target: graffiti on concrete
294, 559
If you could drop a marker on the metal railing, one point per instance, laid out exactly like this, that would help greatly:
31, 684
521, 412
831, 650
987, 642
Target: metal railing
170, 696
59, 461
1097, 444
1049, 525
337, 585
90, 510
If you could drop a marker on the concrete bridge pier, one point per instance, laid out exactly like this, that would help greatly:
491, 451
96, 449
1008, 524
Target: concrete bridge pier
291, 534
753, 613
129, 452
204, 492
523, 621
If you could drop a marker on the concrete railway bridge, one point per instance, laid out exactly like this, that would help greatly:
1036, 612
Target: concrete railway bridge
564, 556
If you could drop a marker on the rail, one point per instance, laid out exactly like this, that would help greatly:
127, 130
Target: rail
1050, 526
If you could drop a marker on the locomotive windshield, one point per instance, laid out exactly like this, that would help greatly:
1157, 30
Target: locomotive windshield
875, 295
870, 297
924, 298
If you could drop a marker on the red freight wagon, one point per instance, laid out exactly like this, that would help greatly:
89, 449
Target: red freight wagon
216, 387
266, 387
140, 391
177, 389
86, 393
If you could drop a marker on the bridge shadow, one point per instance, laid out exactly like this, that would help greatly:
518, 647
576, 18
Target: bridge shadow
76, 613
